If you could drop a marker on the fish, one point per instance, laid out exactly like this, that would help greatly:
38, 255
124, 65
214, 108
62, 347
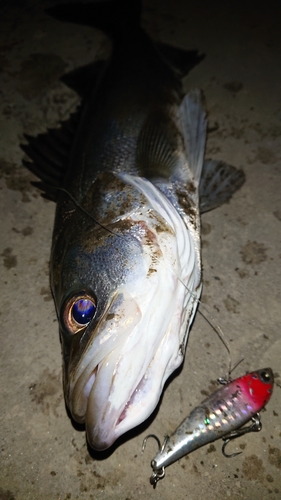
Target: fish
126, 171
218, 416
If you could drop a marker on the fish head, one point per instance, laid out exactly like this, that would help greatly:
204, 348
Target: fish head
120, 306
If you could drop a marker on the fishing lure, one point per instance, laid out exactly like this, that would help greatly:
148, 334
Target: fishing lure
220, 415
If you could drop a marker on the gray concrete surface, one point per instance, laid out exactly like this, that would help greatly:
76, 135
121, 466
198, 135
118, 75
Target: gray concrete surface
42, 455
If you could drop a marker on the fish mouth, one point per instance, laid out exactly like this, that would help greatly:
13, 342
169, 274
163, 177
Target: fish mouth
109, 423
112, 412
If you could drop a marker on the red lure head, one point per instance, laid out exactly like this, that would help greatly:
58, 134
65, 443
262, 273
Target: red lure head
258, 387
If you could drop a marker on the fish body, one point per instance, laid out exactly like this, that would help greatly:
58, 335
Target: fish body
125, 262
221, 413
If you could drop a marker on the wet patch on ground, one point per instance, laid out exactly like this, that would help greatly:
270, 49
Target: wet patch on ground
6, 495
46, 292
231, 304
233, 87
9, 260
17, 179
26, 231
277, 214
206, 228
274, 456
243, 273
253, 468
47, 392
38, 73
254, 253
266, 156
214, 385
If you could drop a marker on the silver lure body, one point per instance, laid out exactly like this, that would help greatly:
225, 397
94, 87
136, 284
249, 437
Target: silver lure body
227, 409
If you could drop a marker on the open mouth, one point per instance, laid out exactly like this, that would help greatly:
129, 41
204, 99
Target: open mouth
106, 423
122, 389
113, 397
136, 395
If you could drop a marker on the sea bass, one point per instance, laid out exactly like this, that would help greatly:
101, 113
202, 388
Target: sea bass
125, 263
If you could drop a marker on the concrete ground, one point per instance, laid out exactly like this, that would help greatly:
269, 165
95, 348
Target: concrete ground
42, 455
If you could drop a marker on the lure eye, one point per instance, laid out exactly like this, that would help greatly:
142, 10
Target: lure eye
78, 312
265, 377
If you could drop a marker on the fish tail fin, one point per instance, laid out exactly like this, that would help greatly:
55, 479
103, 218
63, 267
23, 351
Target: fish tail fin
192, 118
112, 17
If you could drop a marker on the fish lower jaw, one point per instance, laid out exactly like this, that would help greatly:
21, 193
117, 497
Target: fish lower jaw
139, 392
78, 405
112, 424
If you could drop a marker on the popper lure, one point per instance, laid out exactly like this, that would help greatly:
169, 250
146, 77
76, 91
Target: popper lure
220, 415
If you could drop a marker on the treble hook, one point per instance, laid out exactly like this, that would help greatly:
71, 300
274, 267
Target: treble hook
157, 473
254, 427
145, 441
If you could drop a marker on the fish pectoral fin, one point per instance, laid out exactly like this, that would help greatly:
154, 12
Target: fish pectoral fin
49, 154
218, 183
182, 61
157, 147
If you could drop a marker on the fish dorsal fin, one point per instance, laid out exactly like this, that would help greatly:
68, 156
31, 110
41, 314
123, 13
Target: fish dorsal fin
49, 153
218, 183
182, 61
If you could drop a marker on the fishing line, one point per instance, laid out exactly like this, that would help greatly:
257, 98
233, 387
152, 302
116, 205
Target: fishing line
211, 322
87, 213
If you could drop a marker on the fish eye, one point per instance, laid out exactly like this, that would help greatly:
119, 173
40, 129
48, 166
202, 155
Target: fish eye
78, 312
83, 311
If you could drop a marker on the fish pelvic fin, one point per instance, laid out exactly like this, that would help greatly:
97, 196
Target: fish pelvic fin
219, 181
193, 123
